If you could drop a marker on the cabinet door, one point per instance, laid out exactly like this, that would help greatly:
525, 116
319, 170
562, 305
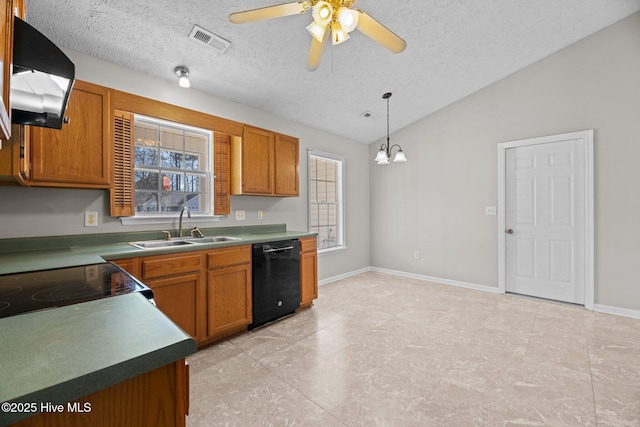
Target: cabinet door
286, 166
177, 298
257, 161
130, 265
229, 298
14, 156
79, 154
6, 57
308, 271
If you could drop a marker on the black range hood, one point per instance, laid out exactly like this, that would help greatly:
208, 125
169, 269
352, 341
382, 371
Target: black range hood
42, 79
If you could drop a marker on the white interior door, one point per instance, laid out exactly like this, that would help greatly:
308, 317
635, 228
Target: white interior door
545, 199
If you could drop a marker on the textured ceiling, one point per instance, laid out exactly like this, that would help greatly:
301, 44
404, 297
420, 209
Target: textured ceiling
455, 47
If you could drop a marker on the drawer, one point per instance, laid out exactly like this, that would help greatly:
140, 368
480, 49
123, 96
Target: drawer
308, 244
224, 257
170, 265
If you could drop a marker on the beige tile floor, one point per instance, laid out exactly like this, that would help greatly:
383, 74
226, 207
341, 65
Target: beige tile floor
383, 350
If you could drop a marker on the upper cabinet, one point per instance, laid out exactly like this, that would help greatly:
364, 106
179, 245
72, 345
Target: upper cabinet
286, 165
8, 9
264, 163
79, 155
6, 52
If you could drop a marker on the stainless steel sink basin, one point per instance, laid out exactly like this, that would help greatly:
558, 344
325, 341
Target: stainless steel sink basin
213, 239
157, 244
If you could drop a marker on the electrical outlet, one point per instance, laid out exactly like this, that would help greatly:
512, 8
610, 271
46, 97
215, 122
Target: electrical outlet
490, 210
416, 255
239, 215
91, 219
91, 273
260, 214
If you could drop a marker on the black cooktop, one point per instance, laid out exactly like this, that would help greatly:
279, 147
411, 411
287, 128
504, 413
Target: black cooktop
37, 290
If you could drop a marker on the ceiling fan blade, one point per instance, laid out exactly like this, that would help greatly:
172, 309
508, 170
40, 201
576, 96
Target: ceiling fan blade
378, 32
315, 52
269, 12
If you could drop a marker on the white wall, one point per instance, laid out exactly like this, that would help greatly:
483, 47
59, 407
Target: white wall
435, 202
30, 212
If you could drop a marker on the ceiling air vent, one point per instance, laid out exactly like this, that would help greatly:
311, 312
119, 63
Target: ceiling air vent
201, 35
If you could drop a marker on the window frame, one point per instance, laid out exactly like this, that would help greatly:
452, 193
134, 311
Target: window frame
208, 173
341, 245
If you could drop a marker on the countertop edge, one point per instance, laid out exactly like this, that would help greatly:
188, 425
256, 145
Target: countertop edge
85, 385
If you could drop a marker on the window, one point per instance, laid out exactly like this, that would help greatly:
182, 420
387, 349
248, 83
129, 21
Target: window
173, 167
326, 199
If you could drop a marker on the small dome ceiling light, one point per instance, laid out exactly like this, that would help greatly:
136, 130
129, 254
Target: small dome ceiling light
183, 76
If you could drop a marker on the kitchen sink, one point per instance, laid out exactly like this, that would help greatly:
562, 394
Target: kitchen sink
213, 239
158, 244
155, 244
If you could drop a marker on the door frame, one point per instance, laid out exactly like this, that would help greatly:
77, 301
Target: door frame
589, 264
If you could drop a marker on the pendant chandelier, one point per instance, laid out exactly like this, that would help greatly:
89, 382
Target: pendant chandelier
384, 155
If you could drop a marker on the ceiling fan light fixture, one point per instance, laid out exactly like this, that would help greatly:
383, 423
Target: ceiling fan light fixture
338, 35
348, 18
322, 13
317, 30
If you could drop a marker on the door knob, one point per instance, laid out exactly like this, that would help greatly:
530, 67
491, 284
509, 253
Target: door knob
509, 231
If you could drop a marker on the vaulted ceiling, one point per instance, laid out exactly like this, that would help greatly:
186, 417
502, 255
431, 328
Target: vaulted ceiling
455, 47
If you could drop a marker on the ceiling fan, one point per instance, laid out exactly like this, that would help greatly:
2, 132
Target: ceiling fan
333, 17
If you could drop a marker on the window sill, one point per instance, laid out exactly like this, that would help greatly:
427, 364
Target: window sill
168, 220
331, 251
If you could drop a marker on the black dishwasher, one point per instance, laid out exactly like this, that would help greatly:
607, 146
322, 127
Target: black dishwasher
276, 280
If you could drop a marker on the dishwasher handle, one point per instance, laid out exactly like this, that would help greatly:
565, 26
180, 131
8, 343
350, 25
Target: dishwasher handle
271, 250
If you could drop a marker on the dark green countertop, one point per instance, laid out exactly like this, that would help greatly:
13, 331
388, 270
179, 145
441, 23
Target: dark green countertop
19, 255
62, 354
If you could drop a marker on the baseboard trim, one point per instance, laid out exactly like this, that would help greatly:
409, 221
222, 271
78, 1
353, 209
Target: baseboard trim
483, 288
618, 311
343, 276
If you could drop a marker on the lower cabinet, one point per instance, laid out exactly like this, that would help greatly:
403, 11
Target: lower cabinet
308, 271
158, 398
177, 284
208, 293
229, 308
177, 298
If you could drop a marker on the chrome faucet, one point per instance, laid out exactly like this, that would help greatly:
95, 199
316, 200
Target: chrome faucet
180, 222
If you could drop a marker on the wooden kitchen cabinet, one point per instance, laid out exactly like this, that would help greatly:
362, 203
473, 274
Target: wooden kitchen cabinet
14, 157
6, 59
157, 398
130, 265
286, 165
264, 163
79, 155
229, 300
308, 271
176, 281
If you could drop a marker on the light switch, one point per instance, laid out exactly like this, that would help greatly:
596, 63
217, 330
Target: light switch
490, 210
